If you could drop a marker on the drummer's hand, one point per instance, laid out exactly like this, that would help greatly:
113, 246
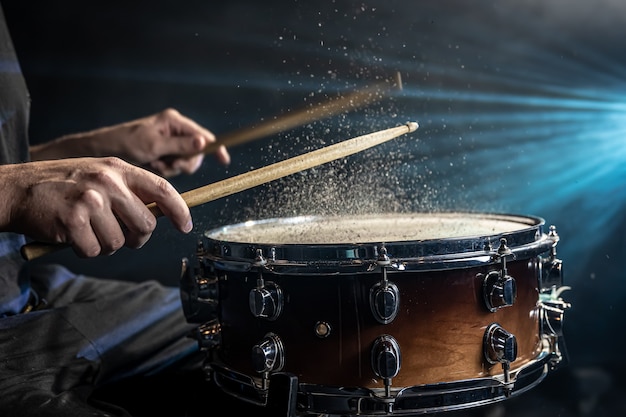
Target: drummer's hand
96, 205
166, 142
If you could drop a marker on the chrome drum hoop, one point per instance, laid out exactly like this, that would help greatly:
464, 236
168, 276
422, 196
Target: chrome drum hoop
338, 259
425, 399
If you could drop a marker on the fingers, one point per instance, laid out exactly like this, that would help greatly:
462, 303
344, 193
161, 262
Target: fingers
128, 222
185, 151
110, 210
94, 230
222, 155
171, 166
149, 188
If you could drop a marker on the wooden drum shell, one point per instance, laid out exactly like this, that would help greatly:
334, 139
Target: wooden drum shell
439, 327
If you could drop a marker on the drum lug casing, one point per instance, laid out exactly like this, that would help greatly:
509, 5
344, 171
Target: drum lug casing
386, 360
500, 346
384, 295
268, 356
499, 288
384, 301
199, 293
266, 300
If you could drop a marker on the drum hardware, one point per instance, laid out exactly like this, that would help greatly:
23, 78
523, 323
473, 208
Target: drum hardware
268, 356
266, 300
499, 288
500, 346
199, 293
552, 305
283, 395
209, 335
551, 266
552, 310
322, 329
518, 345
326, 401
384, 295
386, 362
259, 260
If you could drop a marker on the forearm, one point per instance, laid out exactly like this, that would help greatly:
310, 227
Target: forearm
166, 142
10, 185
93, 143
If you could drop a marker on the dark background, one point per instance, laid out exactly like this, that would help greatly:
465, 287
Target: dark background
520, 104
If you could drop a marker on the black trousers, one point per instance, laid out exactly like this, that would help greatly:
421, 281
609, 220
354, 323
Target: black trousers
92, 334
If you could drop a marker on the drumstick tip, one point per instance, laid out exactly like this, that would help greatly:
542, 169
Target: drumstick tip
412, 126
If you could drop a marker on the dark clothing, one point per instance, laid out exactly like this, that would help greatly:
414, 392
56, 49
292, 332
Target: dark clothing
14, 102
92, 332
14, 112
61, 334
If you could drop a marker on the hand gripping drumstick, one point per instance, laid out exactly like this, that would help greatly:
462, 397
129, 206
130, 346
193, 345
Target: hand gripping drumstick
259, 176
300, 117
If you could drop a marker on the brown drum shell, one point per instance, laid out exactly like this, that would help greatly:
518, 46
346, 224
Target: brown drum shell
439, 327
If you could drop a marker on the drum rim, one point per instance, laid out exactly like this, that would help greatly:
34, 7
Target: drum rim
418, 399
320, 258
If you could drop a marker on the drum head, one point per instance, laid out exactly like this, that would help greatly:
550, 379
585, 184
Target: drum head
371, 228
359, 238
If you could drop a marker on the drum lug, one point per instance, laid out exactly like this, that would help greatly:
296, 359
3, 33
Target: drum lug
209, 335
500, 346
266, 300
551, 267
499, 288
268, 356
386, 360
384, 301
384, 295
199, 293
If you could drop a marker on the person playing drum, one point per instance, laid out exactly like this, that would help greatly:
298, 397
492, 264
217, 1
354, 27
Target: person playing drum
63, 334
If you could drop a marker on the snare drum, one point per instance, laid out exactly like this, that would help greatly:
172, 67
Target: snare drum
378, 314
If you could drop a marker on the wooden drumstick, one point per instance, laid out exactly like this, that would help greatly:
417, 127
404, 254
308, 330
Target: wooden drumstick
259, 176
300, 117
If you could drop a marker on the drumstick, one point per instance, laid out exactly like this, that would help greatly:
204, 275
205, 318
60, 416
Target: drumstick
259, 176
300, 117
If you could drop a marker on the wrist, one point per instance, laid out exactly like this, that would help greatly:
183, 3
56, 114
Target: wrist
10, 184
